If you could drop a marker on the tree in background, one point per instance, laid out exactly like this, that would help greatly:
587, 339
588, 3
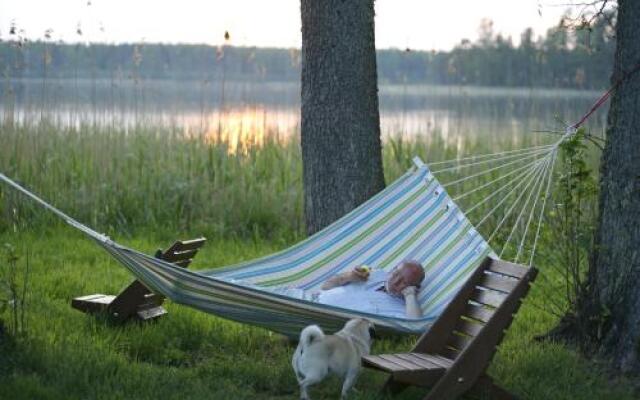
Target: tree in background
613, 302
604, 319
340, 126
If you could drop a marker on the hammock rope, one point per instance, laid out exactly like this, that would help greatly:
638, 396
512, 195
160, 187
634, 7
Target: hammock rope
535, 189
476, 157
90, 232
533, 209
544, 201
500, 159
530, 181
487, 171
527, 168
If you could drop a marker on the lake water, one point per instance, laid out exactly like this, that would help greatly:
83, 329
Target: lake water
248, 112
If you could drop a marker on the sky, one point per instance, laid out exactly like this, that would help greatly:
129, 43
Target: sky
415, 24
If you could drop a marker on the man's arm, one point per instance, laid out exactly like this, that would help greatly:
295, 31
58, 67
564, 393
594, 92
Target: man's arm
358, 274
412, 308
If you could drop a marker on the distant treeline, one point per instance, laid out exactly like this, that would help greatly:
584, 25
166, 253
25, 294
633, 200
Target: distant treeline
561, 58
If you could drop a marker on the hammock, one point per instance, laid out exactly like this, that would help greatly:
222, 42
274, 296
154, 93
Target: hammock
413, 218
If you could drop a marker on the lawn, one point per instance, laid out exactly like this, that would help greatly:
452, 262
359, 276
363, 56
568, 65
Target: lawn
192, 355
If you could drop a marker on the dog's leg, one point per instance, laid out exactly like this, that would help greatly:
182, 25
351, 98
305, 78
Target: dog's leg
296, 367
308, 381
349, 381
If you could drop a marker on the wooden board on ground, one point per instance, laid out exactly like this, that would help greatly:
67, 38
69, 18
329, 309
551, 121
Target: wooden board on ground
136, 300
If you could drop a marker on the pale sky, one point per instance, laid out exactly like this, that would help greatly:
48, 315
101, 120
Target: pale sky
417, 24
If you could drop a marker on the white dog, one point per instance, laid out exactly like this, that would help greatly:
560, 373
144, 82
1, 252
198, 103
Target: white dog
318, 355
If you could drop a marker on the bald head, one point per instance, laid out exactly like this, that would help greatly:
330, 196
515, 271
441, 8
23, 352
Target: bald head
407, 273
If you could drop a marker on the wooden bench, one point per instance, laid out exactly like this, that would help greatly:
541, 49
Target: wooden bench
452, 357
136, 300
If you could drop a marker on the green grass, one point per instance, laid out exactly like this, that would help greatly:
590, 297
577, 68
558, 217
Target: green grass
190, 354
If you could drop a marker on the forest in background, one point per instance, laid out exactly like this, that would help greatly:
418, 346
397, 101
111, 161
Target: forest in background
562, 58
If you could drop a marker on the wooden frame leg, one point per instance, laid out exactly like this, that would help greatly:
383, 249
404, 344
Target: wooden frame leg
486, 388
393, 387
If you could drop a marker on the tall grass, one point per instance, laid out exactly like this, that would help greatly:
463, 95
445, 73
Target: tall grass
154, 178
161, 179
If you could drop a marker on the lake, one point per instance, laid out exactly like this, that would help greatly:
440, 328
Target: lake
245, 113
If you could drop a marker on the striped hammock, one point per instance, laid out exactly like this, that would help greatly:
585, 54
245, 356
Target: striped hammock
413, 218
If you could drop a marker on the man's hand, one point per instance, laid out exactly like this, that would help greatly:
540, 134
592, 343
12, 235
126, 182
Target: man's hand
358, 274
361, 273
412, 308
409, 291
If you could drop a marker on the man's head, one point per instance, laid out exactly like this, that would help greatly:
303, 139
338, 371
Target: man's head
407, 273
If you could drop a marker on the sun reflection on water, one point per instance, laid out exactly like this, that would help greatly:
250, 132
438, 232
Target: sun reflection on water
242, 129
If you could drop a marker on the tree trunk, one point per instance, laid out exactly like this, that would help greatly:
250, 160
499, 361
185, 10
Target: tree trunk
341, 151
615, 270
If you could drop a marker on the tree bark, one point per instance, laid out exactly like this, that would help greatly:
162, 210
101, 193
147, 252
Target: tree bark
340, 132
615, 270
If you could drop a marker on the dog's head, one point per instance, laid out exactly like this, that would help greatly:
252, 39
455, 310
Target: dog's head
361, 327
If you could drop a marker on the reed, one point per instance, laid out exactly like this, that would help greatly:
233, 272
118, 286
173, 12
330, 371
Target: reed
150, 177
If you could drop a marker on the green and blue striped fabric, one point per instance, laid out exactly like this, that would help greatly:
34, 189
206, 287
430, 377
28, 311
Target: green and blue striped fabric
413, 218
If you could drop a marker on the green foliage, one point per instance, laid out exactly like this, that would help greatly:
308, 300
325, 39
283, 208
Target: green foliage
572, 224
576, 178
14, 285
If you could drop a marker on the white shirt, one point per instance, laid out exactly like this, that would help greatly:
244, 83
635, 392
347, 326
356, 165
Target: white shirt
365, 296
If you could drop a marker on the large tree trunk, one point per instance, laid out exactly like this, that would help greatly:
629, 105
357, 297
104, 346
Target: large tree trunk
615, 271
341, 152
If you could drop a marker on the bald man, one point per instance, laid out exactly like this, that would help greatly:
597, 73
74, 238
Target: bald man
377, 291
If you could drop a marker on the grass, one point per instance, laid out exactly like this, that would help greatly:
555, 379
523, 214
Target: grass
189, 354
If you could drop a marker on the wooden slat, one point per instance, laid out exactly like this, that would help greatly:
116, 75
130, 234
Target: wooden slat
459, 342
126, 303
498, 282
479, 313
179, 256
507, 268
439, 361
449, 353
380, 362
406, 365
426, 364
94, 303
151, 313
98, 297
435, 338
445, 362
184, 245
469, 328
488, 297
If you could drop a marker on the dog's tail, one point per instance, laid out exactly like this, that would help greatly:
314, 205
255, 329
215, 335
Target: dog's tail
310, 334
